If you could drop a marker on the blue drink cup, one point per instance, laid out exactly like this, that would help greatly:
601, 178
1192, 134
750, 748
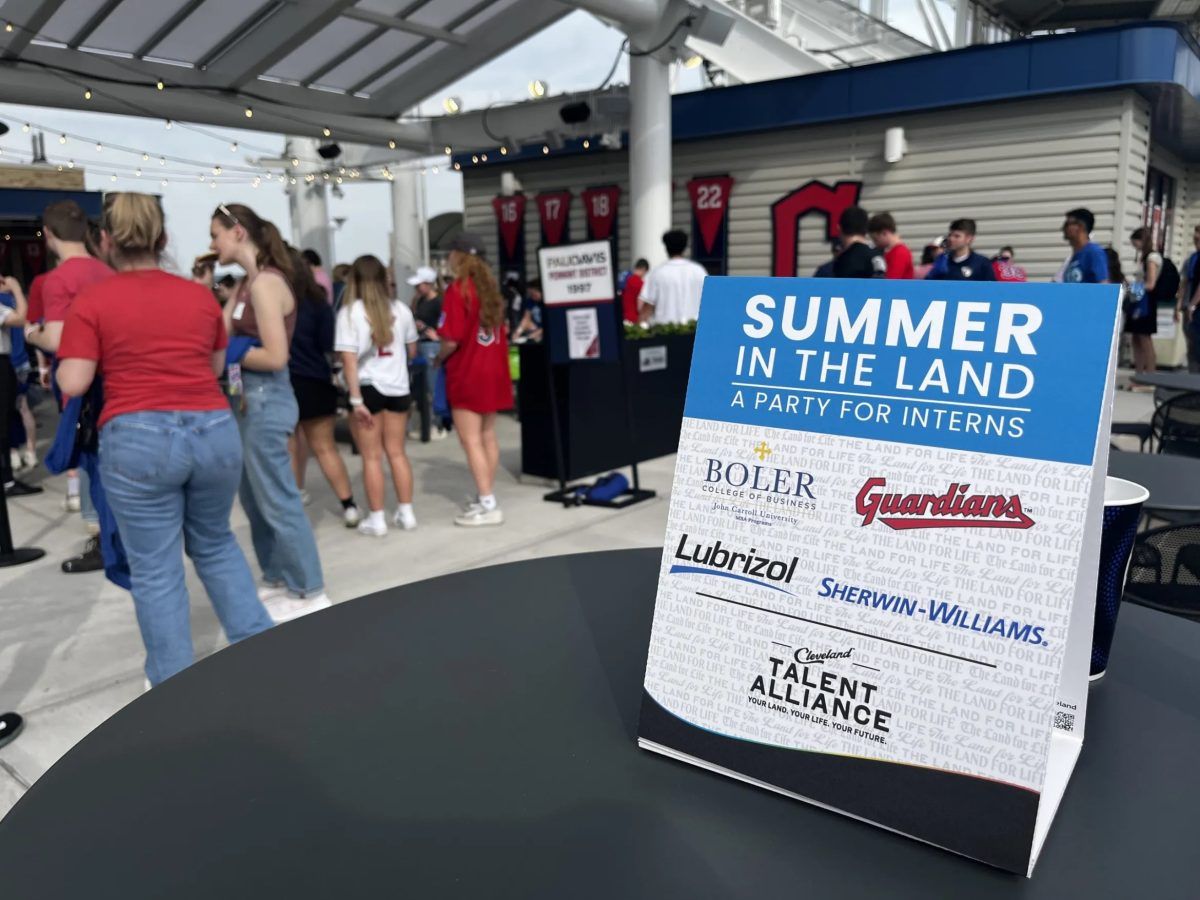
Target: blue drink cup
1122, 510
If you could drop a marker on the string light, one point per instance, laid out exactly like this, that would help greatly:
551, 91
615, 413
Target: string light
25, 128
216, 170
483, 158
168, 124
435, 170
213, 185
293, 181
457, 167
98, 147
8, 26
474, 158
70, 163
392, 144
62, 138
138, 173
113, 177
586, 143
164, 182
295, 162
325, 131
447, 150
162, 160
249, 113
233, 147
87, 93
339, 179
545, 149
145, 157
159, 84
504, 151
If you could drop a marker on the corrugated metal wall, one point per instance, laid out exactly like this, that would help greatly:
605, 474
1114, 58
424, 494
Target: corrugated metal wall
1014, 167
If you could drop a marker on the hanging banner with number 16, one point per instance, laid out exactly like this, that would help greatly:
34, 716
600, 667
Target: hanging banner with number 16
710, 230
510, 223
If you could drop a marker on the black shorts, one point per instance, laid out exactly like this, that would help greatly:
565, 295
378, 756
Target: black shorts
315, 397
376, 402
1144, 325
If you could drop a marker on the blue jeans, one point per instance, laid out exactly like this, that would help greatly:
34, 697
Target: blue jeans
279, 529
170, 478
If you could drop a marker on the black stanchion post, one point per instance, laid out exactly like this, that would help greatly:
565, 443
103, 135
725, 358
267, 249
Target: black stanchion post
556, 426
10, 555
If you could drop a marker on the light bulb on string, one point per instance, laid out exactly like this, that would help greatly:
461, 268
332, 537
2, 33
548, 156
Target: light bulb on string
162, 160
98, 147
325, 131
293, 180
249, 113
164, 182
483, 157
168, 126
25, 128
62, 138
213, 184
70, 163
87, 93
435, 170
216, 170
545, 149
457, 167
8, 26
159, 84
137, 173
447, 150
504, 151
392, 144
295, 162
145, 157
586, 143
113, 177
233, 147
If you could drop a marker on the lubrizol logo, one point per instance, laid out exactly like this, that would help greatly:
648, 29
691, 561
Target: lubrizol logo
953, 509
714, 559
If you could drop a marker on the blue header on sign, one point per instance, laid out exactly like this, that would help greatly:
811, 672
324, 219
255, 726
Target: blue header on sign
1013, 369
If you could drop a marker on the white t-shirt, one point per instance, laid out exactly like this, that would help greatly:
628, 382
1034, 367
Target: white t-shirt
384, 368
5, 336
673, 289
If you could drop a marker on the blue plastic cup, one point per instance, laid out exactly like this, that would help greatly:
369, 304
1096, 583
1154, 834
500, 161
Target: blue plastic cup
1122, 510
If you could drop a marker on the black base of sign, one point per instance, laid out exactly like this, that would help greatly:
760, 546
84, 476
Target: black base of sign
571, 496
20, 556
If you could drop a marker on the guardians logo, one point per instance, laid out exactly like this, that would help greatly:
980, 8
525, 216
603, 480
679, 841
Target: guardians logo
953, 509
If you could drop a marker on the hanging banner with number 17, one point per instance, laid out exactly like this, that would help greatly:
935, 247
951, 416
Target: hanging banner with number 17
710, 231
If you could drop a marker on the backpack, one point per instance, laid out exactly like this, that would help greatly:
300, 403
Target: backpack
1167, 285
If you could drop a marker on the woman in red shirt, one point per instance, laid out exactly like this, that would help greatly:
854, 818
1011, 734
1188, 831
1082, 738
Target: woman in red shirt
170, 453
478, 383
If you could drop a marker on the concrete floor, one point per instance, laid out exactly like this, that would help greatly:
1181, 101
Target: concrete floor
70, 651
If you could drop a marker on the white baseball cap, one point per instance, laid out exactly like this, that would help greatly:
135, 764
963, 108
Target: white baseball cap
424, 275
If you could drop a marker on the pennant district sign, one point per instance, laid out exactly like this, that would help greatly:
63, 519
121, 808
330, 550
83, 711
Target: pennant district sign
879, 577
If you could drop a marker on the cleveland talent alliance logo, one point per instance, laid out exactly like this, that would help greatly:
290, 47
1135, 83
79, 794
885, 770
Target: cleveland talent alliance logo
953, 509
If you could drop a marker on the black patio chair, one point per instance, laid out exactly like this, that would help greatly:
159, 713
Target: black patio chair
1164, 571
1144, 431
1176, 425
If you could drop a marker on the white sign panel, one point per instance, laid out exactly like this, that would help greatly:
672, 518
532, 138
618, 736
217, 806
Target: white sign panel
583, 333
577, 273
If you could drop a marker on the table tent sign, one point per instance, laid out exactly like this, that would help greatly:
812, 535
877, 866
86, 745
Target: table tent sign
879, 576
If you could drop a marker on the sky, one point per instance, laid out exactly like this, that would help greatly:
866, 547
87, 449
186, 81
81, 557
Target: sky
573, 54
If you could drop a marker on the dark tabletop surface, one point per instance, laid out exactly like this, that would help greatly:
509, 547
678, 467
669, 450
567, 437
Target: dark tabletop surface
1175, 381
474, 736
1173, 481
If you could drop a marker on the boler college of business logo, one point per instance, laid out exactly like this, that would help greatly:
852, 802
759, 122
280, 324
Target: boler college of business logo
759, 481
953, 509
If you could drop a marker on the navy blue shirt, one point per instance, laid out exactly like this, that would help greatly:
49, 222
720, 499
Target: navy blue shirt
976, 267
1088, 265
312, 340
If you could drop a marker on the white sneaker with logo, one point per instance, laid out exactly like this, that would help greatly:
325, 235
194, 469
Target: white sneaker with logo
290, 606
365, 527
475, 516
407, 523
269, 592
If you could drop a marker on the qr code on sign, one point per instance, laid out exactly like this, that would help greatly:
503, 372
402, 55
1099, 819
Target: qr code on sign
1065, 721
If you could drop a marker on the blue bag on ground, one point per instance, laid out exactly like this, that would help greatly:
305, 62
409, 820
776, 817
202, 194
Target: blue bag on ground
607, 487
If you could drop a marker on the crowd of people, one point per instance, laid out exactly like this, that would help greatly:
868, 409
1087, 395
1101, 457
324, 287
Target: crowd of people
177, 395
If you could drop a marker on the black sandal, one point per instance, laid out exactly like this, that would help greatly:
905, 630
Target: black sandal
10, 726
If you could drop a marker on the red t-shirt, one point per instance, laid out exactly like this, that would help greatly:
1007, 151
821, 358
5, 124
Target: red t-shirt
477, 375
153, 335
899, 261
629, 296
37, 299
66, 280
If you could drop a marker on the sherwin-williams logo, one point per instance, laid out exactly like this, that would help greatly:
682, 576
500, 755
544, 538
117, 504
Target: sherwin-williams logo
953, 509
714, 559
759, 479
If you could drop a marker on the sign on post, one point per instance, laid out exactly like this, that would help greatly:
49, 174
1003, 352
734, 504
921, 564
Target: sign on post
880, 568
577, 274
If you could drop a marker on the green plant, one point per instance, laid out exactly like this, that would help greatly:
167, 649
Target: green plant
643, 333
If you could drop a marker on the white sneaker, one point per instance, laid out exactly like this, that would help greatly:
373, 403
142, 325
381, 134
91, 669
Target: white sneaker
269, 592
305, 497
71, 503
439, 434
29, 458
475, 515
351, 516
365, 527
285, 608
407, 523
14, 460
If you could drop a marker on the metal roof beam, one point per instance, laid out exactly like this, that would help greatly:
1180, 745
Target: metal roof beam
255, 48
96, 20
514, 26
374, 18
29, 17
177, 19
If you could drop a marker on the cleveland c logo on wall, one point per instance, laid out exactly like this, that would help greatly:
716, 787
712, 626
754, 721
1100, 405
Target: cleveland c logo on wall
510, 229
787, 211
554, 208
879, 576
710, 230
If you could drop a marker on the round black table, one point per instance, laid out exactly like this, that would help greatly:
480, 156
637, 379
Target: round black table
1173, 381
474, 736
1173, 481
